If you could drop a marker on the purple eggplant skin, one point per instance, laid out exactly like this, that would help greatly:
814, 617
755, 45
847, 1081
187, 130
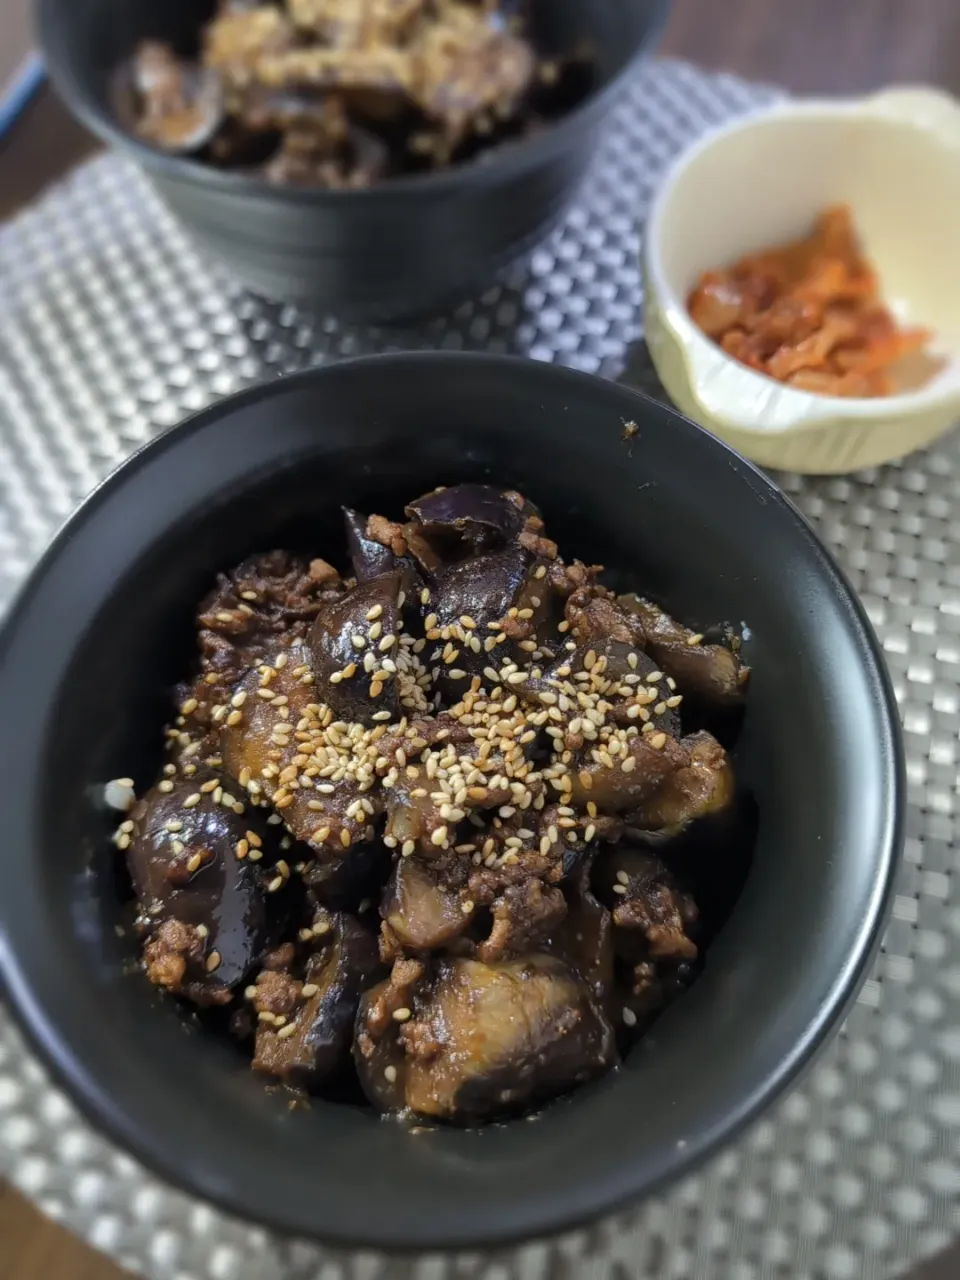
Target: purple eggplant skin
222, 902
343, 637
335, 979
482, 589
481, 514
369, 559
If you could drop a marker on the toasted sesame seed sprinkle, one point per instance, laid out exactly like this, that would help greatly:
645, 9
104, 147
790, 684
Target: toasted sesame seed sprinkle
402, 1014
629, 1017
309, 990
620, 888
213, 961
390, 1073
285, 1032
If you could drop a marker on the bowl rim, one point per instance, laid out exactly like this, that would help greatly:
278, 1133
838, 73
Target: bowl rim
549, 1218
818, 410
503, 160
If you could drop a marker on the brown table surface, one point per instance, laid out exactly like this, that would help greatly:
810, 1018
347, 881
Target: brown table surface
810, 46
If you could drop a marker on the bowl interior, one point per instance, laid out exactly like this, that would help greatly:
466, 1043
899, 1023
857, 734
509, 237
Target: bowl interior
105, 625
763, 183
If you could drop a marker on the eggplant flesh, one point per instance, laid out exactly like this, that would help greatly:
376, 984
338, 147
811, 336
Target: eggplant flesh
422, 914
702, 787
490, 1039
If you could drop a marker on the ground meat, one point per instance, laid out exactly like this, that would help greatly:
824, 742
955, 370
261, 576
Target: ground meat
538, 545
654, 905
173, 959
388, 534
276, 993
595, 616
398, 994
523, 916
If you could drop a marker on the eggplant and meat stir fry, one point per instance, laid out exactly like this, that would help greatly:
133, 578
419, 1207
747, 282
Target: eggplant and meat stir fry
342, 94
416, 820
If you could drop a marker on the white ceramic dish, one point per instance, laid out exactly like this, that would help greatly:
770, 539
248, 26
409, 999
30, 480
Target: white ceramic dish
895, 159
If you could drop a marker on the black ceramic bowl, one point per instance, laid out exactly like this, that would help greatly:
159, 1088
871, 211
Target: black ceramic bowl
106, 624
407, 247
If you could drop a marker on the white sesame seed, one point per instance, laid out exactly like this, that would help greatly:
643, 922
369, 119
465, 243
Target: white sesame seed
401, 1015
629, 1017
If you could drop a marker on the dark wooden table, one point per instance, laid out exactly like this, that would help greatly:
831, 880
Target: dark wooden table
810, 46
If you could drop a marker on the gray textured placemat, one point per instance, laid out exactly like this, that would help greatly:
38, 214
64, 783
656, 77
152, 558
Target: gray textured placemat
112, 328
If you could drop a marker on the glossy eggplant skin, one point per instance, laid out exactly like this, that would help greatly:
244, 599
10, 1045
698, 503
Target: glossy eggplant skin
482, 515
335, 977
206, 913
490, 1039
482, 590
347, 658
369, 559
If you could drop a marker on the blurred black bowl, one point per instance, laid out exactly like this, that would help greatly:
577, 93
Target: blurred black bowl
105, 626
408, 247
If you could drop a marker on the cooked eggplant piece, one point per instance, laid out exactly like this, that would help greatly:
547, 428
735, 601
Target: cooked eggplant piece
653, 916
703, 786
378, 1055
372, 557
585, 939
347, 24
654, 758
489, 1039
421, 914
175, 104
485, 612
207, 911
465, 70
712, 672
259, 745
420, 817
524, 916
321, 1009
355, 673
368, 558
480, 514
623, 676
236, 40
